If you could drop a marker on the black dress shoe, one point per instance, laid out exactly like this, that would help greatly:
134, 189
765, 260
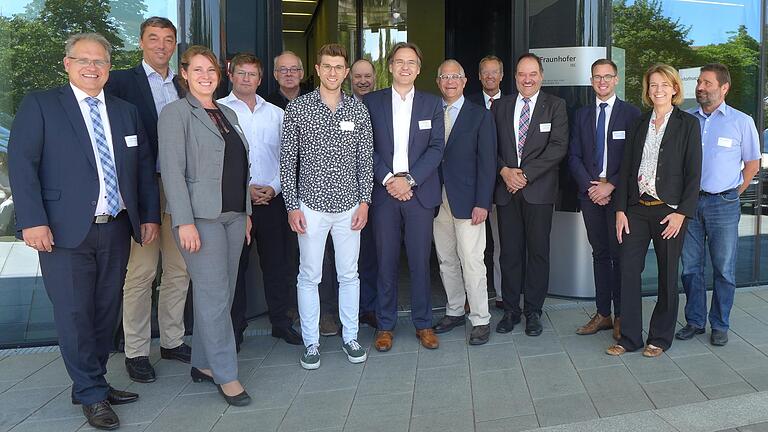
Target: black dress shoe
688, 332
368, 318
448, 323
198, 376
718, 337
533, 325
507, 323
499, 304
182, 353
140, 369
101, 416
480, 334
288, 334
239, 400
114, 396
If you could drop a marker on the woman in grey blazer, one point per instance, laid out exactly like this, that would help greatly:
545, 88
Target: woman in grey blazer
204, 169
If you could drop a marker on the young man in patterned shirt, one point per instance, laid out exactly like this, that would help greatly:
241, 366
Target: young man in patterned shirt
327, 138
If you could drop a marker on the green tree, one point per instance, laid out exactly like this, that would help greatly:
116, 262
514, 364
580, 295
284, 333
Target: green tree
128, 15
648, 37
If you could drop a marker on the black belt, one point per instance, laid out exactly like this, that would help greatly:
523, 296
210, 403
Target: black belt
102, 219
725, 192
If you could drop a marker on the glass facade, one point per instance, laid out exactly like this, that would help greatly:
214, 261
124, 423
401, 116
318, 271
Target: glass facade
635, 33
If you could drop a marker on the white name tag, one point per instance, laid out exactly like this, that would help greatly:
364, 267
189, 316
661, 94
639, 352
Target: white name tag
724, 142
619, 134
131, 141
347, 125
425, 124
545, 127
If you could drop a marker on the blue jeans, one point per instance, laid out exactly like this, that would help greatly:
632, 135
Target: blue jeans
716, 224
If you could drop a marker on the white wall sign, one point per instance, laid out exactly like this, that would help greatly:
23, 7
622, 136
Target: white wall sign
689, 76
568, 66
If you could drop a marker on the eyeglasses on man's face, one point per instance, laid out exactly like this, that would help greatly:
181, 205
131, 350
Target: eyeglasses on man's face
448, 77
339, 68
598, 78
84, 62
285, 70
243, 74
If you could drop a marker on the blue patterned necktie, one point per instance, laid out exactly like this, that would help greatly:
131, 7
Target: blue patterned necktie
600, 137
107, 164
525, 121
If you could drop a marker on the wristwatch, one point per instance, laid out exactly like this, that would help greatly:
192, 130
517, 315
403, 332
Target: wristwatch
407, 177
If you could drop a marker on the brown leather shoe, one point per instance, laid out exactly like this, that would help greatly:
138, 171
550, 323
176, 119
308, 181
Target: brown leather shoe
615, 350
383, 340
428, 338
595, 324
652, 351
617, 328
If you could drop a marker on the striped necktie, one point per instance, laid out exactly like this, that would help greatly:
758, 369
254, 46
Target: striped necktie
107, 164
525, 120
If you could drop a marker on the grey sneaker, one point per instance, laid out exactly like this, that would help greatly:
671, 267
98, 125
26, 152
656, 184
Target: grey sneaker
311, 357
355, 352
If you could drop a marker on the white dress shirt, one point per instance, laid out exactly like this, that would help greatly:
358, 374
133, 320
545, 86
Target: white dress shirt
518, 110
401, 129
487, 99
85, 110
608, 110
262, 128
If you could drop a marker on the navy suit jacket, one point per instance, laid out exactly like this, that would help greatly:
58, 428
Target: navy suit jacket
476, 98
132, 85
53, 167
469, 161
581, 149
425, 145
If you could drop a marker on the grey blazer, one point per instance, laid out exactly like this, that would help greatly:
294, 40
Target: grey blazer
191, 152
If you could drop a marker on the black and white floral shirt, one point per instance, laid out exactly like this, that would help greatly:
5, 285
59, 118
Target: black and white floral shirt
331, 153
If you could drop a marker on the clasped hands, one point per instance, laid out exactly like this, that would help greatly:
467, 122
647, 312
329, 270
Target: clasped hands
513, 178
399, 188
261, 195
600, 192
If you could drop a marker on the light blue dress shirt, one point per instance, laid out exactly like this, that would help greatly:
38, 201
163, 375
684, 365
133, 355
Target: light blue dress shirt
729, 138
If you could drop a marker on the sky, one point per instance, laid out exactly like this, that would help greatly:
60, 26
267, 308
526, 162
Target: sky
154, 7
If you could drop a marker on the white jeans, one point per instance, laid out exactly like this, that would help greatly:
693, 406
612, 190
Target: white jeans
346, 243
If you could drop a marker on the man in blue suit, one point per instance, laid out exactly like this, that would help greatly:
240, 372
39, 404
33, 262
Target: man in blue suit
408, 139
467, 174
83, 181
595, 152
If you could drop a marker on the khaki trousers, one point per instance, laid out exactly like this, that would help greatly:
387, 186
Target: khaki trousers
494, 217
172, 291
460, 250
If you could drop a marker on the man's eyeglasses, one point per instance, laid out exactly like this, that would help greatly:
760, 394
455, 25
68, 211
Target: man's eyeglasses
598, 78
243, 74
84, 62
284, 70
327, 68
448, 77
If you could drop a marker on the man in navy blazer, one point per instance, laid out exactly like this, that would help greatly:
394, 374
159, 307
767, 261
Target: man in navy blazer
467, 174
408, 138
83, 181
150, 86
595, 152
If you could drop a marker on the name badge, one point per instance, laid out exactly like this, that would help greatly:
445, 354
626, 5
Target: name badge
237, 128
619, 135
724, 142
425, 124
545, 127
131, 141
347, 125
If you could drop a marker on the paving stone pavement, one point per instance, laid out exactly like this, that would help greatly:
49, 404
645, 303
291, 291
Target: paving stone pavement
556, 382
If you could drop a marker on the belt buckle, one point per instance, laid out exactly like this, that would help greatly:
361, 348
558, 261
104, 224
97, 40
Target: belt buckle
101, 219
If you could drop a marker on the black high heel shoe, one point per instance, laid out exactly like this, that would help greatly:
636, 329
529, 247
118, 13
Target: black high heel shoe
199, 376
239, 400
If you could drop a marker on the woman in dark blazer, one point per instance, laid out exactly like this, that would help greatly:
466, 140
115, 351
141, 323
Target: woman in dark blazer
204, 170
658, 189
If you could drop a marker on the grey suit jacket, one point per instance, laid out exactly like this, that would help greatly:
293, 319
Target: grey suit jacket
191, 152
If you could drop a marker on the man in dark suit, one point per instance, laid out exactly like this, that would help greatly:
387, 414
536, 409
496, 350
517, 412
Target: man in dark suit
82, 174
409, 135
532, 129
467, 174
595, 152
150, 86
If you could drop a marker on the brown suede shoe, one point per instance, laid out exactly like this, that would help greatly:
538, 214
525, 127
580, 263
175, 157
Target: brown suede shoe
617, 328
383, 341
597, 323
615, 350
652, 351
428, 338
